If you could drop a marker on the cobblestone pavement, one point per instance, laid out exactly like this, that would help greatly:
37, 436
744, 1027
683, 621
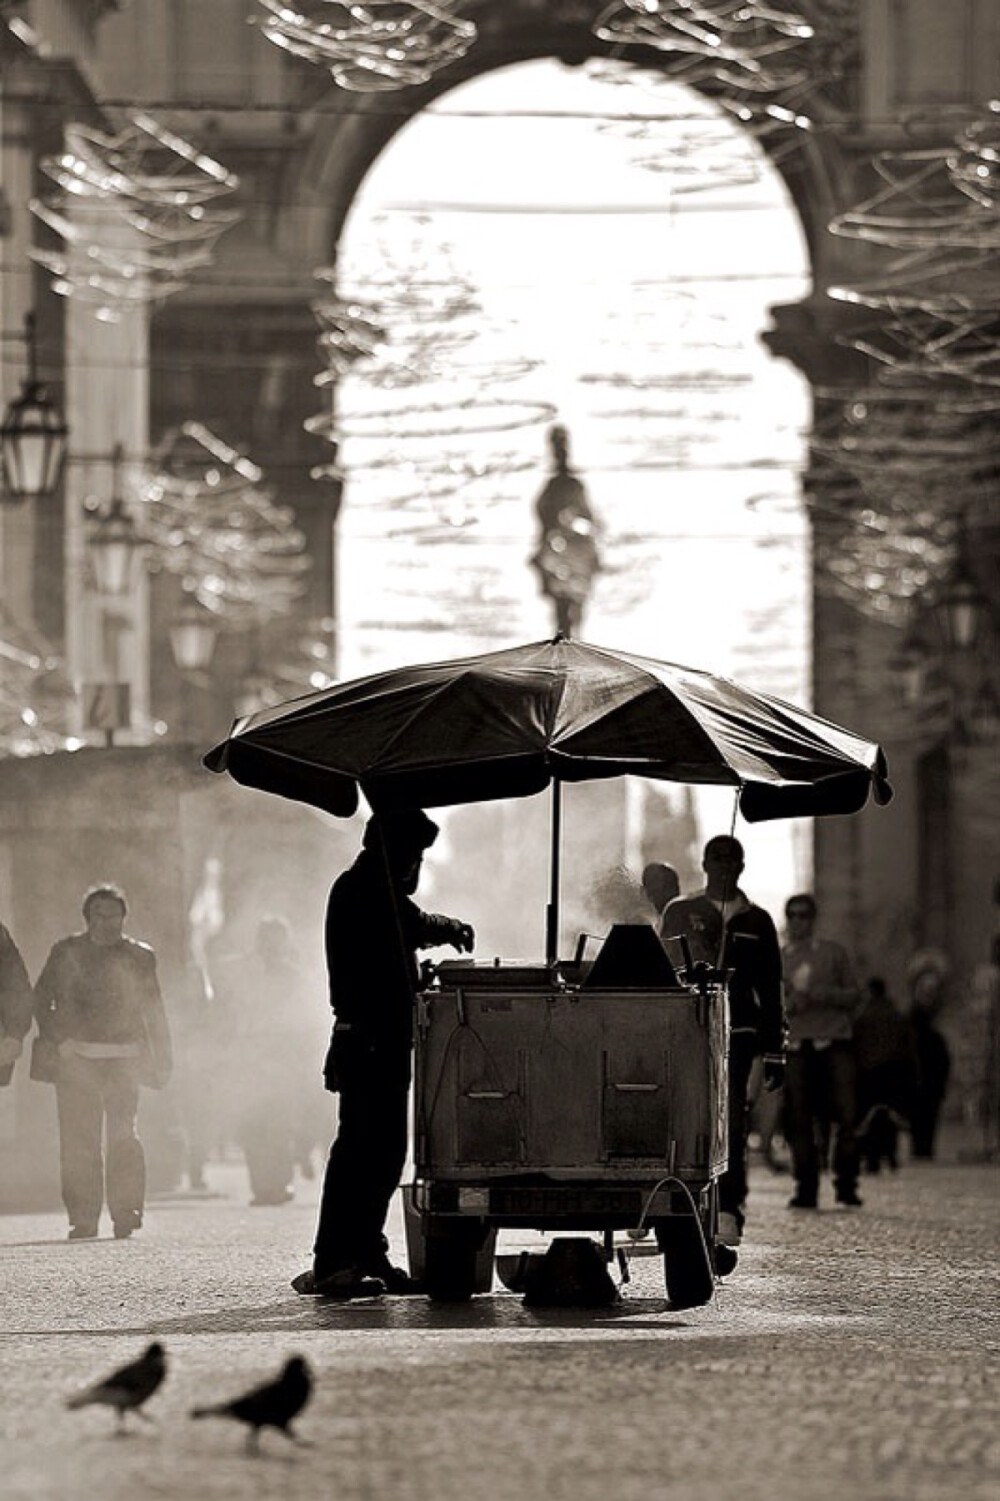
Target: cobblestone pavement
853, 1354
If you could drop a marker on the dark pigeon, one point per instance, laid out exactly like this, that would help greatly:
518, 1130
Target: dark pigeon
273, 1405
127, 1388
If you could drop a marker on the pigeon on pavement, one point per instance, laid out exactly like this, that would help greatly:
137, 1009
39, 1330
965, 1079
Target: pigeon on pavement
272, 1405
127, 1388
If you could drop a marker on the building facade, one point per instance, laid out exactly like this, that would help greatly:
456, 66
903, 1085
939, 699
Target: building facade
236, 350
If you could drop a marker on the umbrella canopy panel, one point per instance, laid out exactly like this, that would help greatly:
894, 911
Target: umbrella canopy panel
507, 723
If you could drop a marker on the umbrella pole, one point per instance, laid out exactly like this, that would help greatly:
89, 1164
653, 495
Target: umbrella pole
555, 854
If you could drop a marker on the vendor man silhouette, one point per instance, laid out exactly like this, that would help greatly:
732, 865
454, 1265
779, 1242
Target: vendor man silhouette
373, 930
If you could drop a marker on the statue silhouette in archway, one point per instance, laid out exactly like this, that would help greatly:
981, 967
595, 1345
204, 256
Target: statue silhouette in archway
566, 558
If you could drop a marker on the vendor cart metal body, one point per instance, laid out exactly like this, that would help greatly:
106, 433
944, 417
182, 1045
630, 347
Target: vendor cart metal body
560, 1106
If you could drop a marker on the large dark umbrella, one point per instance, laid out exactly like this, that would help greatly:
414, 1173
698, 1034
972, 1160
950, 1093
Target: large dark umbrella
509, 723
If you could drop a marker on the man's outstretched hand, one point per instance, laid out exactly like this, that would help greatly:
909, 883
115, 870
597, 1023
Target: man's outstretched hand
462, 936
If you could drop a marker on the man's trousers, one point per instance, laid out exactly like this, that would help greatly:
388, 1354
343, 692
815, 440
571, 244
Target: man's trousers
98, 1098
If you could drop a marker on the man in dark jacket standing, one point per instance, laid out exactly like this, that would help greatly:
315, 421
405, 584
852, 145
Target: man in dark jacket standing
726, 930
15, 1004
373, 930
98, 1001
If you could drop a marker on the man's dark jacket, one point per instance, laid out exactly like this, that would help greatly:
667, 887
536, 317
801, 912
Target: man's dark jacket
751, 955
373, 930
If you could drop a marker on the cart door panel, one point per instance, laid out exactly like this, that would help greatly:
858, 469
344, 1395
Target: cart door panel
635, 1122
489, 1102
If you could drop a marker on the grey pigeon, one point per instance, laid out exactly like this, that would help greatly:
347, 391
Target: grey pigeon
127, 1388
272, 1405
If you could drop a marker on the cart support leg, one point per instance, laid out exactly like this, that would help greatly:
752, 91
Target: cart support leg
552, 910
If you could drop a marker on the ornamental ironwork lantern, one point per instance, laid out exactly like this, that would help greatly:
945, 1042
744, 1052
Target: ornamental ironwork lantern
114, 540
32, 437
193, 634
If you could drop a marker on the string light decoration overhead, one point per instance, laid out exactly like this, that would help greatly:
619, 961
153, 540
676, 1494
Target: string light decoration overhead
747, 45
135, 212
424, 367
350, 330
897, 464
766, 68
375, 47
935, 222
893, 469
211, 520
36, 695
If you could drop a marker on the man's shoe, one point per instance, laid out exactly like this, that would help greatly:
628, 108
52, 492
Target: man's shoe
82, 1232
725, 1258
398, 1284
802, 1200
128, 1223
850, 1198
344, 1284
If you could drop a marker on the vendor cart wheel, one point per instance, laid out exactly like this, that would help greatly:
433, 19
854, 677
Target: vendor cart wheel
687, 1267
450, 1253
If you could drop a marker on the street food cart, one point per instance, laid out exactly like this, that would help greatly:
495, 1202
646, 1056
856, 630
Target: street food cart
542, 1101
557, 1095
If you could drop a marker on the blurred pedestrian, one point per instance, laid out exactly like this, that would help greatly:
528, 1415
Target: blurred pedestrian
928, 974
661, 885
730, 934
265, 995
15, 1005
887, 1069
98, 1002
822, 1000
373, 930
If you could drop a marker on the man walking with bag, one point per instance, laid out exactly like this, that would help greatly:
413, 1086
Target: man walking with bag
99, 1008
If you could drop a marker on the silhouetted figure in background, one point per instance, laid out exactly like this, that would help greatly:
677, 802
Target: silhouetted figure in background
822, 999
373, 930
265, 997
566, 558
927, 990
727, 931
15, 1005
661, 884
98, 1000
886, 1060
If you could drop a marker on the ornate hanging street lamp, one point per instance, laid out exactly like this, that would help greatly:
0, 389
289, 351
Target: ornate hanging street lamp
32, 437
961, 607
114, 539
193, 634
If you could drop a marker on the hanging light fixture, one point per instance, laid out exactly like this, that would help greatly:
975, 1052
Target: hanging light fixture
114, 539
909, 667
961, 607
193, 634
33, 436
984, 716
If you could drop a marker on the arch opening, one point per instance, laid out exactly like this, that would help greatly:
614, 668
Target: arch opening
548, 243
